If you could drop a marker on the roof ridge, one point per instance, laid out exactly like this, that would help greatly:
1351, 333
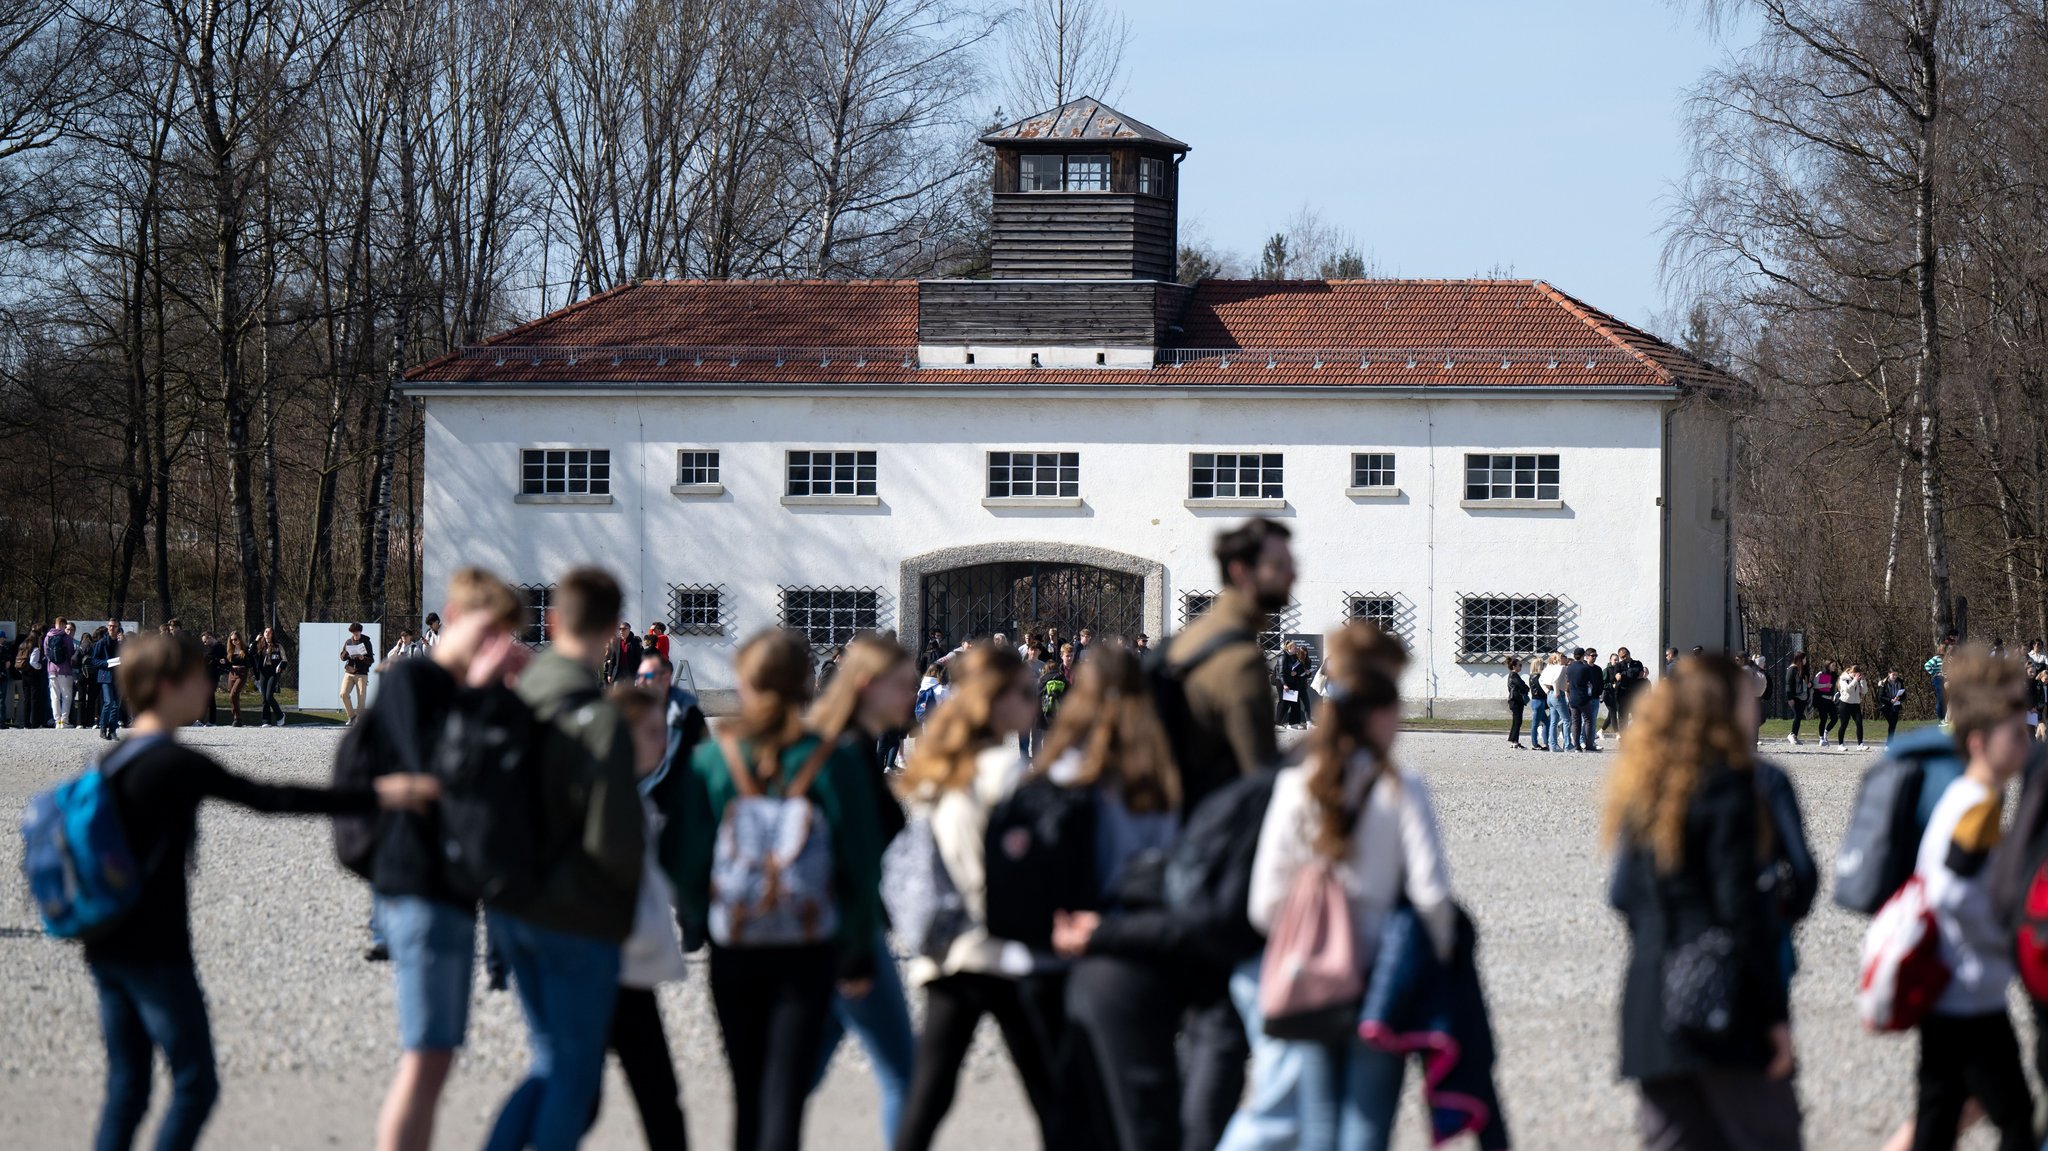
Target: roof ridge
1593, 318
558, 313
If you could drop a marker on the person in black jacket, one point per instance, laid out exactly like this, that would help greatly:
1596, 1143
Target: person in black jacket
1584, 681
1518, 698
148, 982
1685, 813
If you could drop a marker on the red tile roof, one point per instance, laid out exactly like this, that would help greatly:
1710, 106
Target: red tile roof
1384, 333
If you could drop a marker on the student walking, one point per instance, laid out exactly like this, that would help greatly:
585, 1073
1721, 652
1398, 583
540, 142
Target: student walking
563, 944
357, 658
779, 947
1849, 692
1938, 681
1539, 707
1824, 697
1967, 1046
1518, 699
1798, 683
106, 663
148, 981
1891, 702
963, 765
1294, 675
60, 654
1684, 815
216, 667
867, 702
268, 659
35, 683
238, 676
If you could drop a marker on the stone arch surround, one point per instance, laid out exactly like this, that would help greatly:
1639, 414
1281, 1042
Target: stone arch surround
910, 598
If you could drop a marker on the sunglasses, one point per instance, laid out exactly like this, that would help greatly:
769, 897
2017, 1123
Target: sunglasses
647, 677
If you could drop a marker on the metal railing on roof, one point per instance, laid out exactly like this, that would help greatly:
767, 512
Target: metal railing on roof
1361, 359
614, 355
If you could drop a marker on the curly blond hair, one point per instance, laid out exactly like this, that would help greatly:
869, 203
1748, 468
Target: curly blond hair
1682, 727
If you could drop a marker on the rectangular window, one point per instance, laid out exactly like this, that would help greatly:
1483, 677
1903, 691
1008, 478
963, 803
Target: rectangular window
1511, 477
694, 468
1039, 173
1151, 176
1372, 470
1027, 475
831, 474
1377, 608
536, 596
1493, 627
565, 472
1088, 173
1234, 476
697, 609
1193, 604
830, 616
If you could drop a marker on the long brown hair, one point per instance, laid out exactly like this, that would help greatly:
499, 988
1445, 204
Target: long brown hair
865, 660
943, 757
1110, 719
775, 666
1682, 728
1363, 663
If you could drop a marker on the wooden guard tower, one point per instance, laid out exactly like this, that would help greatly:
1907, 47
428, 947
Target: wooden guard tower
1084, 192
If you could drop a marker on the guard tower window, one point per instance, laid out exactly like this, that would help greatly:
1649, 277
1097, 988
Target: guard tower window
1151, 176
1088, 173
1039, 173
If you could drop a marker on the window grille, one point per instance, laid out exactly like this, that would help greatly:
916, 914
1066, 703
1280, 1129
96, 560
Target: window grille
1372, 470
1511, 477
831, 474
831, 616
1493, 627
696, 609
696, 467
1019, 475
1285, 622
1381, 608
1234, 476
565, 472
1088, 173
537, 597
1193, 604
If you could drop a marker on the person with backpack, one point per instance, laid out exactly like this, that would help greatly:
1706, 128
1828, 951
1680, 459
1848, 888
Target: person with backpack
869, 699
1849, 692
1705, 1014
784, 928
1539, 706
425, 917
1824, 697
267, 659
1798, 681
141, 961
1348, 838
1054, 681
961, 768
561, 938
60, 651
1968, 1049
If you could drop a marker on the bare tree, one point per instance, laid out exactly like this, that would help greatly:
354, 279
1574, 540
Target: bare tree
1061, 50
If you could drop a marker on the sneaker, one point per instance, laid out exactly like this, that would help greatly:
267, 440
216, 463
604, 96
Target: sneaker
1793, 740
1862, 747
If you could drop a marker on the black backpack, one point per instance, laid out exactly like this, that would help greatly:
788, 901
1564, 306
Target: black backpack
1209, 873
1168, 679
493, 835
1039, 858
355, 769
58, 648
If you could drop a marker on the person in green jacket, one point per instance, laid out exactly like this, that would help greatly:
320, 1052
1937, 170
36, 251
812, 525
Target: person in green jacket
772, 1001
562, 944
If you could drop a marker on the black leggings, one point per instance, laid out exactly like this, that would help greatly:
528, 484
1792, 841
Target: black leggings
1515, 722
642, 1048
953, 1007
1971, 1057
1824, 709
1798, 716
771, 1004
1844, 712
268, 683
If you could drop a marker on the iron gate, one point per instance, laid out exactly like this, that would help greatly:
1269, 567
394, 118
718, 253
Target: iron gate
1017, 598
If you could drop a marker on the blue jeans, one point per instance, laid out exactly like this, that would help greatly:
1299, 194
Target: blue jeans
1940, 698
567, 986
1310, 1096
110, 706
144, 1006
1560, 725
1539, 722
881, 1020
1586, 725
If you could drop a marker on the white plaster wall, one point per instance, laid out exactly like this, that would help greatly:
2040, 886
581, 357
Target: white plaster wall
1601, 550
1702, 582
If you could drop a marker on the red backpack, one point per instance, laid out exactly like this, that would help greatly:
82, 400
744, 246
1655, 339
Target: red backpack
2030, 940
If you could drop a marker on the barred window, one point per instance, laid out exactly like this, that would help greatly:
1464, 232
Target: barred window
537, 597
1372, 470
1020, 475
1381, 608
1280, 624
1234, 476
831, 474
1493, 627
1511, 477
565, 472
830, 616
696, 467
696, 609
1193, 604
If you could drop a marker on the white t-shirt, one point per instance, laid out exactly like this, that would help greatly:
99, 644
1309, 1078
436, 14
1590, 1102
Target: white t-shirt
1953, 854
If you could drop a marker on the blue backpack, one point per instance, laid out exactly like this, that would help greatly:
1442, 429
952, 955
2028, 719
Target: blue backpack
771, 861
75, 853
1893, 804
927, 699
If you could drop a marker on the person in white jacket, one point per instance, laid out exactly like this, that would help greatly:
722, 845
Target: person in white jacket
1347, 802
962, 766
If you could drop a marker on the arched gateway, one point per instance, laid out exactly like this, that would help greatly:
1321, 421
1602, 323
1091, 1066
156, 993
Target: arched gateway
1016, 588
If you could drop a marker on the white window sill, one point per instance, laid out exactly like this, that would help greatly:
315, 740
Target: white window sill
1511, 505
1032, 502
696, 489
831, 501
559, 498
1373, 493
1252, 505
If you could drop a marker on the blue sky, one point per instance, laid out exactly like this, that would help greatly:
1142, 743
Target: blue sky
1450, 136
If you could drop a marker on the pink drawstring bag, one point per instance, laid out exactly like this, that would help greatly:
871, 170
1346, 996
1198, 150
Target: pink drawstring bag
1310, 982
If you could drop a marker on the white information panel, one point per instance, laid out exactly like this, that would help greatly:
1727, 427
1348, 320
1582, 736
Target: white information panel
319, 662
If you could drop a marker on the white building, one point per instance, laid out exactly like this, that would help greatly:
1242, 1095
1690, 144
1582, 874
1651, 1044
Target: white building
1488, 467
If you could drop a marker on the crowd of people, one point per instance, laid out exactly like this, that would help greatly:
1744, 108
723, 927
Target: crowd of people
1188, 938
54, 676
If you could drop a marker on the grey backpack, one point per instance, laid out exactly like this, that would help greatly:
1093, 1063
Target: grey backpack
926, 912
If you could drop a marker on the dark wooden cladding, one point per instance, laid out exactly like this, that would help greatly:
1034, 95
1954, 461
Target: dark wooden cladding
1083, 235
1127, 313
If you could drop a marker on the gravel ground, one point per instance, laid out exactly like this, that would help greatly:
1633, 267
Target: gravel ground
304, 1027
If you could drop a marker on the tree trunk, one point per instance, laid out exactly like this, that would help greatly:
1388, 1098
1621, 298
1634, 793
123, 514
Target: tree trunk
1891, 549
1927, 369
